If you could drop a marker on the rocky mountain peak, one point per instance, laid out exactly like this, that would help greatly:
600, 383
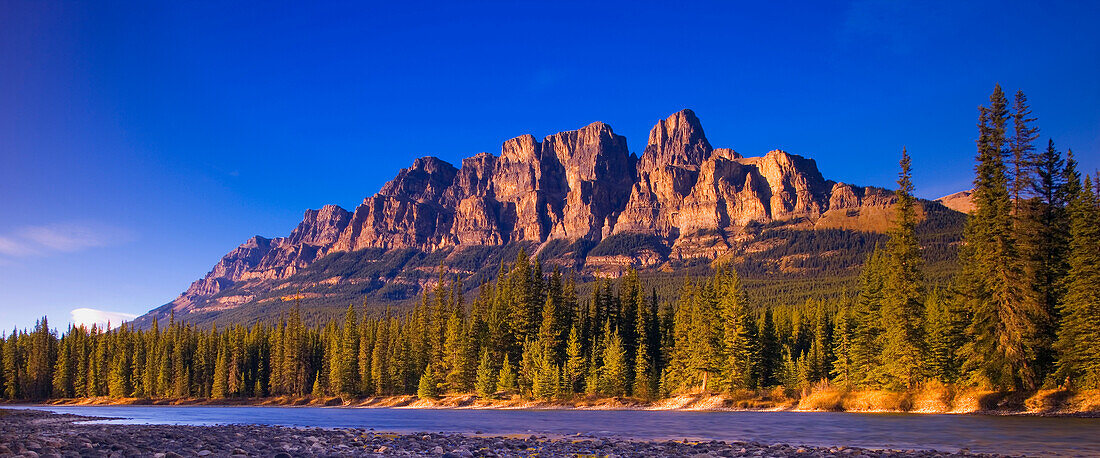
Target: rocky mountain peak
320, 227
523, 148
425, 181
684, 195
676, 140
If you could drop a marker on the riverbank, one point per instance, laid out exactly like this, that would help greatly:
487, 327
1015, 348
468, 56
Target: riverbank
39, 433
934, 400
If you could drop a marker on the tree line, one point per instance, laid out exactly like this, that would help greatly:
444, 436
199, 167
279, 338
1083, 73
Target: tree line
1023, 312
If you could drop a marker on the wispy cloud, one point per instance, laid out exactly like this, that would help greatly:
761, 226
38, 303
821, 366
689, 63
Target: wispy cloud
60, 238
10, 246
87, 317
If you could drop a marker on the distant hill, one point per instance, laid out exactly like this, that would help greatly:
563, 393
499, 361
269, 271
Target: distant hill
960, 201
581, 202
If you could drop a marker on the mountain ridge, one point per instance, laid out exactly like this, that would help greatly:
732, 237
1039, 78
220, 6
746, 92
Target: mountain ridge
561, 197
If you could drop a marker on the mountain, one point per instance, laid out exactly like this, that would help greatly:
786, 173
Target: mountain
961, 201
579, 200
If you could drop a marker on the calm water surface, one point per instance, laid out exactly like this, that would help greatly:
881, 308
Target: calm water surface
1012, 435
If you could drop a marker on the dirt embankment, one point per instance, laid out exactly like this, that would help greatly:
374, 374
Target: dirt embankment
937, 399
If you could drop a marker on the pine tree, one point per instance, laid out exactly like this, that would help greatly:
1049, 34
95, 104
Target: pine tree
843, 333
525, 305
348, 383
903, 290
220, 389
40, 361
771, 358
867, 334
318, 389
574, 362
999, 348
64, 368
528, 365
739, 332
12, 382
456, 354
946, 325
790, 375
506, 380
1046, 226
613, 373
1022, 147
379, 366
547, 380
550, 330
366, 350
486, 384
118, 383
428, 388
1079, 336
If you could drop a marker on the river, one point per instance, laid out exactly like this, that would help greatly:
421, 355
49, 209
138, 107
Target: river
1037, 436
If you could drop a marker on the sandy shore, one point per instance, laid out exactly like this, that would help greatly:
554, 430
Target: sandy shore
43, 434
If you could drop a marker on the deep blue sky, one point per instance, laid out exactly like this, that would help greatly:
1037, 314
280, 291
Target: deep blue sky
139, 142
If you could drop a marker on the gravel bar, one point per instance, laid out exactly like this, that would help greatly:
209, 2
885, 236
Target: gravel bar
45, 434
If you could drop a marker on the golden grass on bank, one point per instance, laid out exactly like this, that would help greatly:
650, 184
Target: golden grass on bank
1087, 401
930, 398
823, 398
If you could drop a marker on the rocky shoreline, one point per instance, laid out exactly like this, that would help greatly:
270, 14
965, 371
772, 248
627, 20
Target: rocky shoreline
44, 434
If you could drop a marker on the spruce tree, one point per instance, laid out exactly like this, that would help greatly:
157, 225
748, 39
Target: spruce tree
1079, 335
643, 372
843, 333
771, 358
428, 388
999, 350
546, 383
506, 379
348, 383
1022, 147
738, 332
64, 367
379, 365
220, 388
366, 350
613, 373
867, 335
1046, 226
903, 290
946, 333
574, 362
456, 354
486, 384
12, 382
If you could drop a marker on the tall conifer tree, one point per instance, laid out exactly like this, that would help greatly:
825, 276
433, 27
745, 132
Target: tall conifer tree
903, 288
999, 351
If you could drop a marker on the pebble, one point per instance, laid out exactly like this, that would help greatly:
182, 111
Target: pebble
42, 434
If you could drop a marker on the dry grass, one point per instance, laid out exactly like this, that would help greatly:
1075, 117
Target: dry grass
933, 397
827, 399
1087, 401
930, 398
